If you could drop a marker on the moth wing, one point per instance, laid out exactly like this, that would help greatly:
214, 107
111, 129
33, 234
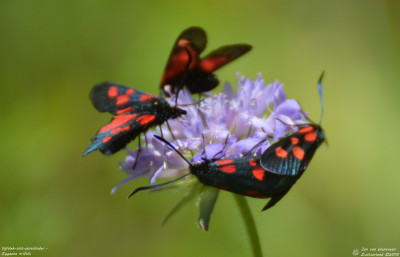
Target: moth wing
193, 39
119, 132
279, 158
221, 56
117, 99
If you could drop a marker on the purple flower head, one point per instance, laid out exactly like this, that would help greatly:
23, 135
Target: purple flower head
225, 125
230, 124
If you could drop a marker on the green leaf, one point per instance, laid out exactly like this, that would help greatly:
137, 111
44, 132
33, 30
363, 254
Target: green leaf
186, 198
208, 197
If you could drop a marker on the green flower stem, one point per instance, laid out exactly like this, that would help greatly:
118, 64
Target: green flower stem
250, 225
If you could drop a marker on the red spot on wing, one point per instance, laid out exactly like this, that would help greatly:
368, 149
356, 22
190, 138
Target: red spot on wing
125, 129
252, 162
178, 61
130, 91
224, 162
176, 65
122, 99
146, 119
306, 130
128, 109
251, 193
115, 130
145, 97
119, 129
118, 121
258, 173
212, 63
112, 92
298, 152
222, 187
183, 42
280, 152
106, 140
228, 168
294, 140
311, 137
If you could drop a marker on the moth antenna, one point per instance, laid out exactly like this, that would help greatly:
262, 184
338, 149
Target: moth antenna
201, 100
223, 148
320, 95
204, 144
155, 186
254, 147
321, 100
292, 125
184, 73
173, 148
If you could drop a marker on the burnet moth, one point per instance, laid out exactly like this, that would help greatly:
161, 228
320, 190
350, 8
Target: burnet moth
269, 175
200, 77
135, 110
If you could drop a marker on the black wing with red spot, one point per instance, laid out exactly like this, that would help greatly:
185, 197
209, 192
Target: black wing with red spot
199, 77
120, 131
291, 155
118, 99
136, 112
244, 176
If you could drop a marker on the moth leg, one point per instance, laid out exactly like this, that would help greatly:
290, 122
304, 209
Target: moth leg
137, 155
161, 131
173, 136
145, 140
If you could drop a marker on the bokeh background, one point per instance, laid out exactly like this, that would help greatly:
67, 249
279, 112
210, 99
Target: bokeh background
53, 52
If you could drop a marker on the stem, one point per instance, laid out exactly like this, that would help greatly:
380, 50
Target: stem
250, 225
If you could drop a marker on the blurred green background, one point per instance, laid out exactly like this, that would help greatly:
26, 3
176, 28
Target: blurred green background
53, 52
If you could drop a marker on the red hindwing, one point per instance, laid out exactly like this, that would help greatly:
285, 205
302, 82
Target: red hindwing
199, 77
